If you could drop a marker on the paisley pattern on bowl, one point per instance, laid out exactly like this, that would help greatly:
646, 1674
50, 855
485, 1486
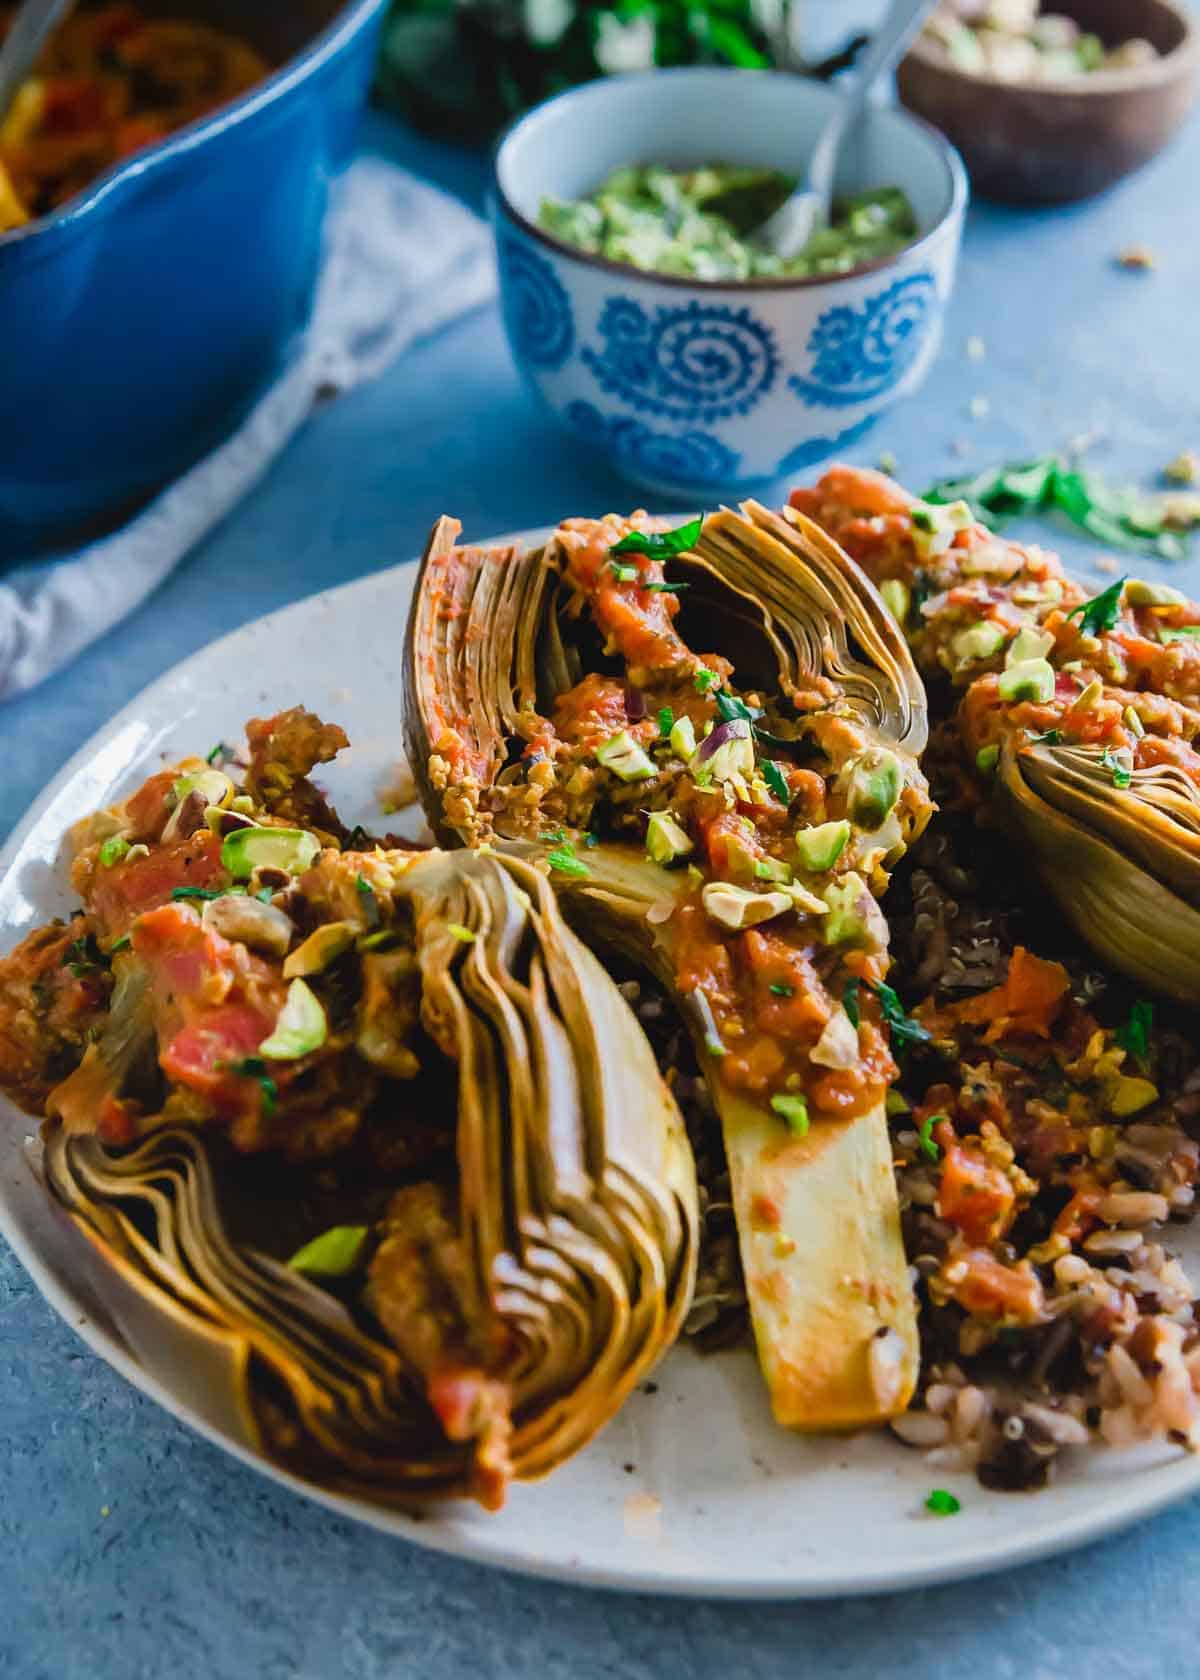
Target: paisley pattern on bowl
814, 450
697, 363
537, 310
860, 353
684, 458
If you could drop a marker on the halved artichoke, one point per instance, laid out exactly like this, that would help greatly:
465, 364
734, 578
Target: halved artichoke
1123, 862
511, 1303
500, 638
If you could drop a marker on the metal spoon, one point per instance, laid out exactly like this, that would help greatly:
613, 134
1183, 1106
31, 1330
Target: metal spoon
789, 230
21, 46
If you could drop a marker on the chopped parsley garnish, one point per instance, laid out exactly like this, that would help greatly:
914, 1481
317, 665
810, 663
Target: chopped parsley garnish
1121, 774
1134, 1034
925, 1142
222, 750
781, 989
660, 545
253, 1067
732, 709
666, 720
1052, 738
706, 679
553, 836
794, 1110
368, 900
775, 779
196, 892
564, 860
665, 588
623, 574
1102, 611
943, 1504
121, 944
83, 956
461, 933
903, 1028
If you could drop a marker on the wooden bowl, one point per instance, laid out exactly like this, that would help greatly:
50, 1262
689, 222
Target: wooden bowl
1050, 143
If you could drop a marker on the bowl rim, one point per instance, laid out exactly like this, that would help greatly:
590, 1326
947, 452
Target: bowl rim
347, 20
955, 168
1127, 79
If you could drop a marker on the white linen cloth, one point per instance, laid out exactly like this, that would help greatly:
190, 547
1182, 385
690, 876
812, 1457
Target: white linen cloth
403, 259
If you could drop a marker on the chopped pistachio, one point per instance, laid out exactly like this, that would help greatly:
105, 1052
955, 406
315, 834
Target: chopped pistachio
987, 758
625, 758
300, 1028
1032, 679
1029, 644
739, 907
666, 840
820, 847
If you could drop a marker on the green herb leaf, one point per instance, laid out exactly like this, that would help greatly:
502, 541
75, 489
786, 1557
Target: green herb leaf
794, 1110
121, 944
943, 1504
178, 893
925, 1140
665, 588
903, 1028
1101, 612
660, 545
780, 989
850, 1003
1134, 1034
253, 1067
553, 836
335, 1253
731, 708
705, 679
1052, 738
221, 750
1121, 774
461, 933
666, 720
565, 861
775, 780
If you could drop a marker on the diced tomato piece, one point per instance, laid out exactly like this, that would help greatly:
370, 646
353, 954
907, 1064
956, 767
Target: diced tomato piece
128, 889
993, 1290
975, 1195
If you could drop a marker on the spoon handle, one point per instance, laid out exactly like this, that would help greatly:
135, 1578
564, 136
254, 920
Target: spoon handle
886, 48
23, 43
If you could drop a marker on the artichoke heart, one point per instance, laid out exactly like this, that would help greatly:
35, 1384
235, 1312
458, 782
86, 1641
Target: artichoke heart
772, 696
467, 1313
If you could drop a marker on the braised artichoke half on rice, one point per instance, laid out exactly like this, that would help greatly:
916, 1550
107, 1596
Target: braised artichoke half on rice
1079, 716
708, 740
371, 1157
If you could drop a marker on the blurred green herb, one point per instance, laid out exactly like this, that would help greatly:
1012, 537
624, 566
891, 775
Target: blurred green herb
1121, 517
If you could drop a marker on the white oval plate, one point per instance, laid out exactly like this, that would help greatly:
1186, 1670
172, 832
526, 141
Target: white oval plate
692, 1489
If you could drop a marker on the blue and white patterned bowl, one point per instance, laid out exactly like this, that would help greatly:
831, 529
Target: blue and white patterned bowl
691, 385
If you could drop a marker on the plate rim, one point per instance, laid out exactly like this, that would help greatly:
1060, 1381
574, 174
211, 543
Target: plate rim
1143, 1495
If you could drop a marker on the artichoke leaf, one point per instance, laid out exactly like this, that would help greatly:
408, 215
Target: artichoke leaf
1087, 849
